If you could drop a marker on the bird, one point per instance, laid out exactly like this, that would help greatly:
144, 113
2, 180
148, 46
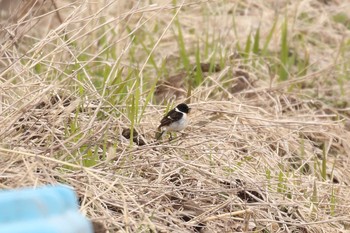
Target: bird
174, 121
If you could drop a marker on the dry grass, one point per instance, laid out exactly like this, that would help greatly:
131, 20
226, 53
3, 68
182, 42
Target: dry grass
259, 155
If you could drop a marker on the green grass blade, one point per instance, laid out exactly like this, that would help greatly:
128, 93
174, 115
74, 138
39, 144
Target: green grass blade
182, 48
198, 75
324, 163
283, 70
248, 45
269, 37
256, 47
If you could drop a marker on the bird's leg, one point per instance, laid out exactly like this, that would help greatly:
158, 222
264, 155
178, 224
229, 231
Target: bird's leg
159, 134
171, 137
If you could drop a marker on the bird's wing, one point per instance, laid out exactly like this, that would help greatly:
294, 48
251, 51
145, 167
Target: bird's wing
169, 118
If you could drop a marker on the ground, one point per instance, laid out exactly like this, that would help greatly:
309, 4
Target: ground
84, 85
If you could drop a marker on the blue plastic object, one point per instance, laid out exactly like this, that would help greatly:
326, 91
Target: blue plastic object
49, 209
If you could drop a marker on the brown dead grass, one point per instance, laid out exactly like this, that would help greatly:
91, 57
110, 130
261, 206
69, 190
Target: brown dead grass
250, 159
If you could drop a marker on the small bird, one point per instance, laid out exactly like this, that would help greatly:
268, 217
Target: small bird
176, 120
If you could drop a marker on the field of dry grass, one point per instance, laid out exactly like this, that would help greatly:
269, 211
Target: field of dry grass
267, 148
